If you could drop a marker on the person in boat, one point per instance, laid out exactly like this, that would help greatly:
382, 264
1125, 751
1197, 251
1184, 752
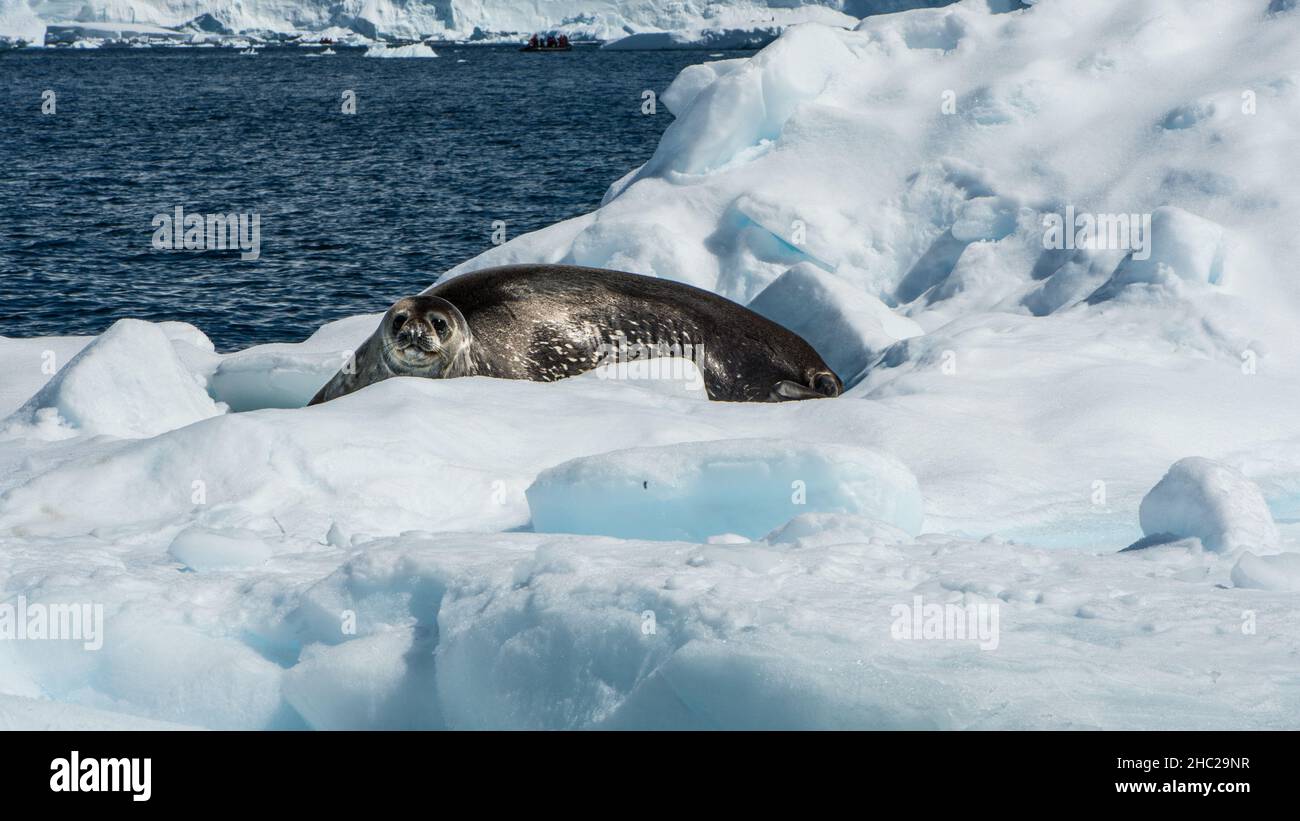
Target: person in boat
550, 41
564, 41
532, 41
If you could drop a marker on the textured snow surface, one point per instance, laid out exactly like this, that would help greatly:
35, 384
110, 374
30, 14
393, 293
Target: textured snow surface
613, 551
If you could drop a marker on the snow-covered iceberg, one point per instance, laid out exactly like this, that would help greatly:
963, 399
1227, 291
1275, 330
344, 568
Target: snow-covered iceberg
19, 23
413, 50
693, 24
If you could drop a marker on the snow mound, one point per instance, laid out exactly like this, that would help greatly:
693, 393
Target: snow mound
1183, 247
201, 549
1212, 502
691, 80
751, 103
380, 681
413, 50
847, 326
128, 383
696, 490
1281, 572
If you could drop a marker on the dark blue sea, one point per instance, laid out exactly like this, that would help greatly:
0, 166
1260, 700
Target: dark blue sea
354, 210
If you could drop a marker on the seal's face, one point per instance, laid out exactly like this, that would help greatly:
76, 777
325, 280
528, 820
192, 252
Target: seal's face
423, 335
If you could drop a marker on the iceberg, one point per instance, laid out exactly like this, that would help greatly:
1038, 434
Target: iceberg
693, 491
705, 24
415, 50
19, 23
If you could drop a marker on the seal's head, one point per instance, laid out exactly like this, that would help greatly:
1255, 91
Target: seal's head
424, 336
818, 383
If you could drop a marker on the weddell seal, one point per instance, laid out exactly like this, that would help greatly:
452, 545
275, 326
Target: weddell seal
547, 322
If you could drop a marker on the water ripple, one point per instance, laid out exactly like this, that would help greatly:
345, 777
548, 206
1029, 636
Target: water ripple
355, 211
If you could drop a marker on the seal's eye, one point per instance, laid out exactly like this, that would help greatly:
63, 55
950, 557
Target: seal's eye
399, 321
440, 326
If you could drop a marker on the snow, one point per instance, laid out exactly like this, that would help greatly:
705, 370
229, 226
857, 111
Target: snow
741, 486
738, 26
849, 328
1268, 572
1184, 247
1212, 502
26, 370
535, 631
129, 382
612, 550
751, 103
379, 681
201, 550
691, 80
18, 713
819, 529
18, 22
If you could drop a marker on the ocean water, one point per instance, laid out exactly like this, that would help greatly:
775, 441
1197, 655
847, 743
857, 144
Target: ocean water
354, 210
